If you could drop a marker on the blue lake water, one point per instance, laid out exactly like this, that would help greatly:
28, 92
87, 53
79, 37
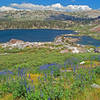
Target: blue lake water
43, 35
32, 35
87, 40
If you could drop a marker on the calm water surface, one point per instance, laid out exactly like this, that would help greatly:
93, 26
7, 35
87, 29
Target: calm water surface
87, 40
32, 35
43, 35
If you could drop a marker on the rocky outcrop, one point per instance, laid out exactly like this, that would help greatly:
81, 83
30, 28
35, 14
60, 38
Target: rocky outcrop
14, 41
96, 29
66, 38
97, 50
64, 51
70, 44
61, 43
95, 86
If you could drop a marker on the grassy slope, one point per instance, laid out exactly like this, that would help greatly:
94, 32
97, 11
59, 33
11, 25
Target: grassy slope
36, 57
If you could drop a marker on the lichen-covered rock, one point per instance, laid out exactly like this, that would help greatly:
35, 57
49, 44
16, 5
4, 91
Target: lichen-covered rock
95, 86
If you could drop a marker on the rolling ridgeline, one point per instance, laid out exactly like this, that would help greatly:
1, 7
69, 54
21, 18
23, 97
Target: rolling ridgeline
45, 19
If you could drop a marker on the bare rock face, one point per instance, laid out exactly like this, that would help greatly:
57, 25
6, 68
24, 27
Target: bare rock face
14, 41
95, 29
97, 50
64, 51
95, 86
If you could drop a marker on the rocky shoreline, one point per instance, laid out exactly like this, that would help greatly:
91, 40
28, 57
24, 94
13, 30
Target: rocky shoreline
62, 43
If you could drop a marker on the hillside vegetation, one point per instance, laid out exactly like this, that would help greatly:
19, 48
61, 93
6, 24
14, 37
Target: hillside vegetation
43, 19
42, 74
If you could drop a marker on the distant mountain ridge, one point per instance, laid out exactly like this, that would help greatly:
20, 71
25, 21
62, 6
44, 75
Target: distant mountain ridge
45, 19
42, 15
72, 18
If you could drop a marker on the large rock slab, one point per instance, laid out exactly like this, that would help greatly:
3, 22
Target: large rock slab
95, 86
14, 41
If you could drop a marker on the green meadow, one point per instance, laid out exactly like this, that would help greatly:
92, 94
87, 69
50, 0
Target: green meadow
45, 74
